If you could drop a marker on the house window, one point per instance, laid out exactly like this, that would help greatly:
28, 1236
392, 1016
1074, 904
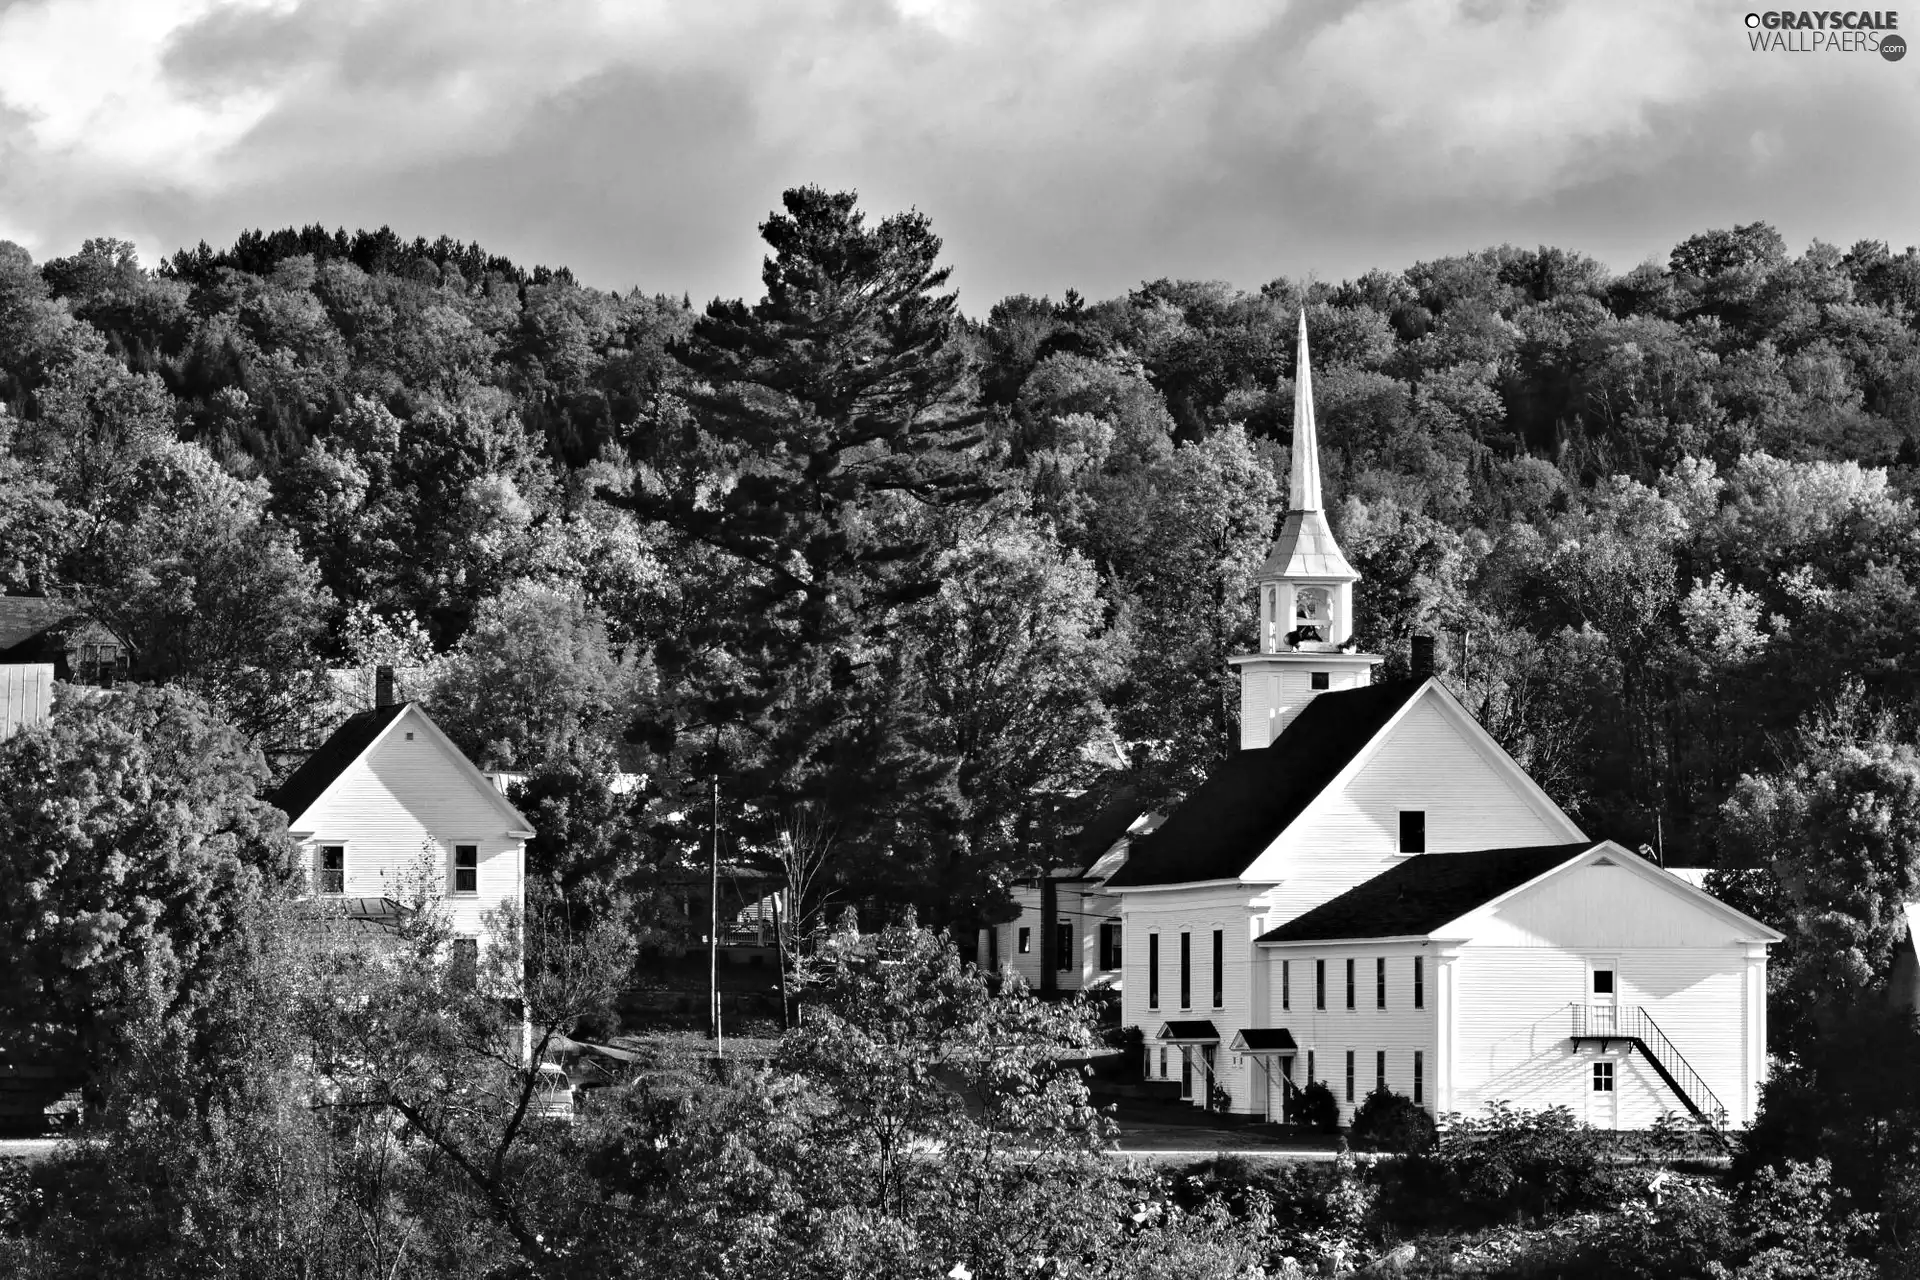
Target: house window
1109, 947
1603, 1077
1380, 1070
1063, 959
1419, 1078
1602, 982
1419, 982
466, 868
1286, 984
1219, 969
465, 962
1349, 1075
1026, 940
1318, 680
330, 872
1413, 831
1186, 970
1153, 971
1319, 984
1350, 965
1380, 983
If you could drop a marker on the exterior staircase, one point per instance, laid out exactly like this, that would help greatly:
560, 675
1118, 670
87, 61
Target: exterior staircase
1630, 1023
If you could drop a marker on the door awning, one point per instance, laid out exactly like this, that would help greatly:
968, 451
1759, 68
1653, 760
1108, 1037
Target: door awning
1263, 1040
1197, 1032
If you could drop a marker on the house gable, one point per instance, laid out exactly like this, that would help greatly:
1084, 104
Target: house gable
393, 755
1433, 757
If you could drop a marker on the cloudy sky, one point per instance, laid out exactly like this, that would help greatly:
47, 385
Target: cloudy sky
1091, 143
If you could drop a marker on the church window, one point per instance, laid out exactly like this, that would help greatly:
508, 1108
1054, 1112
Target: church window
1419, 1077
1319, 984
1319, 679
1419, 982
1286, 984
1219, 969
1349, 1075
1413, 831
1309, 1066
1350, 966
993, 948
1186, 970
1163, 1062
1153, 971
1380, 983
466, 868
1063, 946
1026, 940
1380, 1071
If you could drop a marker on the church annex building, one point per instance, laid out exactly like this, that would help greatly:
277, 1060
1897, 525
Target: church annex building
1371, 892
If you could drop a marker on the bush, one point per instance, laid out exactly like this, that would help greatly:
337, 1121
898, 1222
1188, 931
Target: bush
1389, 1121
1316, 1109
1513, 1163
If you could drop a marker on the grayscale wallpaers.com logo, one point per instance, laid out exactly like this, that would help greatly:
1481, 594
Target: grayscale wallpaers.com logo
1827, 31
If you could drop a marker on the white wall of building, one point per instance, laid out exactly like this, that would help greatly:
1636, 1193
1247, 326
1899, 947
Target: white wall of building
1399, 1029
1529, 960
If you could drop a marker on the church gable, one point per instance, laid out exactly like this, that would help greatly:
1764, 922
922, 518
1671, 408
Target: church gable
1431, 760
1611, 899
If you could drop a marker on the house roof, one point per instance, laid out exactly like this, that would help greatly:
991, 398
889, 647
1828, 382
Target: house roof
1246, 803
1263, 1040
26, 618
348, 743
1424, 893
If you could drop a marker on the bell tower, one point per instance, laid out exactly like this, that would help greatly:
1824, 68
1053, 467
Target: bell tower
1305, 597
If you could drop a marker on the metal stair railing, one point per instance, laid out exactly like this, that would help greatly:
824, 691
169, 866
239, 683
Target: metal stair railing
1632, 1024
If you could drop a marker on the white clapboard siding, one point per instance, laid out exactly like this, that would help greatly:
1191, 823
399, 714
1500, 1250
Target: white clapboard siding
1240, 916
26, 695
1429, 761
401, 808
1074, 906
1400, 1029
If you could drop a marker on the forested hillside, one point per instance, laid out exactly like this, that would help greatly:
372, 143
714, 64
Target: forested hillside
923, 588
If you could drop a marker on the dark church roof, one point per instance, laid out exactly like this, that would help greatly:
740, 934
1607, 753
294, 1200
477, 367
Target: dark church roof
297, 794
1246, 803
1424, 892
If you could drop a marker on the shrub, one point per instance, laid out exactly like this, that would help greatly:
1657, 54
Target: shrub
1389, 1121
1512, 1163
1316, 1109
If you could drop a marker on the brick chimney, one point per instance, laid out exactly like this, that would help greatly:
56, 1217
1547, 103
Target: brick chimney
383, 686
1422, 657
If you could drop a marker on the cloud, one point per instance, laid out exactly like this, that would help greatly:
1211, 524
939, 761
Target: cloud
1086, 142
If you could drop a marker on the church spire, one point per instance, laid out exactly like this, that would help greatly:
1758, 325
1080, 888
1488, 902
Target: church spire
1303, 489
1306, 596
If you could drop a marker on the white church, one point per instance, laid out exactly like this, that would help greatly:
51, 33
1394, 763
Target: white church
1372, 893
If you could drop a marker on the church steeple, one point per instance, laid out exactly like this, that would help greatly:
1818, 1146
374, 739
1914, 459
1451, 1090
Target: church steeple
1306, 594
1303, 484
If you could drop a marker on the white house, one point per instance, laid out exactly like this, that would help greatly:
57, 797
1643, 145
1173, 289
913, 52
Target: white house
388, 809
1371, 891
